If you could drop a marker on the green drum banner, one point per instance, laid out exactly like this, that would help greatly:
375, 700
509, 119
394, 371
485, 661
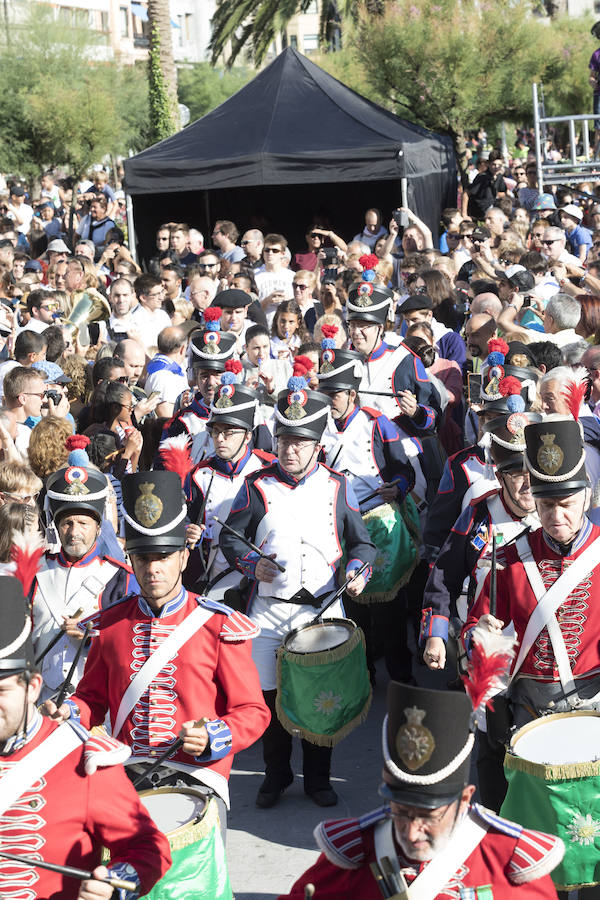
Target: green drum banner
325, 695
199, 866
394, 529
564, 800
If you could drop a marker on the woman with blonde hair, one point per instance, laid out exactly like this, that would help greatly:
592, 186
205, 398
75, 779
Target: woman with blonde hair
47, 451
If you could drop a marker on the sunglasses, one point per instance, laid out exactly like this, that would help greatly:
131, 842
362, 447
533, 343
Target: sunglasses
300, 287
272, 250
477, 240
315, 234
452, 236
207, 265
549, 242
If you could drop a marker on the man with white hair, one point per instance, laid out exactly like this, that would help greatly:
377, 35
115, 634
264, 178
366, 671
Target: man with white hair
553, 387
554, 243
201, 291
561, 319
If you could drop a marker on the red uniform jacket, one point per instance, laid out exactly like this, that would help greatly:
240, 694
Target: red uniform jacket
513, 861
578, 616
212, 675
66, 817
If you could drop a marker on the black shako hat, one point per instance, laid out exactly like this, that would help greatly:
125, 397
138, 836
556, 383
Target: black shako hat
301, 412
427, 744
154, 511
234, 404
341, 370
16, 646
77, 488
369, 302
507, 439
211, 348
555, 457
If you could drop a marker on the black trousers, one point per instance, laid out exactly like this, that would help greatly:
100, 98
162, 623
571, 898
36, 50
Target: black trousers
277, 751
490, 772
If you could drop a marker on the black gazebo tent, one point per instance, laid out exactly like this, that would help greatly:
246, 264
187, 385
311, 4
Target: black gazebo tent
293, 144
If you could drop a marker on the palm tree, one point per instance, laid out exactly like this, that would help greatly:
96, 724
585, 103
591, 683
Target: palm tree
254, 24
164, 111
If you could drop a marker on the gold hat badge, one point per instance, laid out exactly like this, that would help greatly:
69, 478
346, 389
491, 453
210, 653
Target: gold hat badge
414, 742
550, 457
148, 507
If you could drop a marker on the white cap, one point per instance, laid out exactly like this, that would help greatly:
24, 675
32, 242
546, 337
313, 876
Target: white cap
511, 270
574, 211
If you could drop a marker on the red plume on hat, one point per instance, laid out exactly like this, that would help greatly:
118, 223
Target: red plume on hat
575, 390
305, 361
26, 552
77, 442
488, 666
330, 331
233, 365
509, 386
368, 261
175, 455
497, 345
212, 313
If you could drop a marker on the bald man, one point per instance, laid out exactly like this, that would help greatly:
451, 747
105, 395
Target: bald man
486, 303
133, 357
166, 372
478, 330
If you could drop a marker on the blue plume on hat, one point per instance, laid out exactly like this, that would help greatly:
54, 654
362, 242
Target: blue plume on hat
76, 444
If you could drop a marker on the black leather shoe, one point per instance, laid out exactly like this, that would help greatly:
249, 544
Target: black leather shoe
324, 797
270, 792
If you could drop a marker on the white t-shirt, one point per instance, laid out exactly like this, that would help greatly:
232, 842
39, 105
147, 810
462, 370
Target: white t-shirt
267, 282
168, 383
5, 368
149, 324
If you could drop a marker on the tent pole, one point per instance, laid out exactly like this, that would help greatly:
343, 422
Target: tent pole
206, 214
131, 229
404, 191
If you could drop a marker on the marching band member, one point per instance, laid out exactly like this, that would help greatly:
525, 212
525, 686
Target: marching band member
366, 447
80, 578
429, 836
214, 482
63, 794
547, 581
167, 664
299, 512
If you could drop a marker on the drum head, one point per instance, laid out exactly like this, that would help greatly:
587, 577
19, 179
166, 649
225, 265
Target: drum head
559, 739
320, 636
174, 808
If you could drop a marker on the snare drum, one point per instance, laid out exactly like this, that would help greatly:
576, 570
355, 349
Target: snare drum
553, 773
323, 686
191, 824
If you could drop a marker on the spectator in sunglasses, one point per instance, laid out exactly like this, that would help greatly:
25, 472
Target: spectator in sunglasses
317, 237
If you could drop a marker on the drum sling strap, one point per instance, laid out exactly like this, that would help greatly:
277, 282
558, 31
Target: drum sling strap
32, 767
544, 614
465, 838
157, 661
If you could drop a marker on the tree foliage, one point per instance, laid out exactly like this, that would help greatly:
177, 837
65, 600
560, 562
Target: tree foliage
202, 87
60, 104
453, 65
250, 26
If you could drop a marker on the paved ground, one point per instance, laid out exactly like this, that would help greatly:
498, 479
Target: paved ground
268, 849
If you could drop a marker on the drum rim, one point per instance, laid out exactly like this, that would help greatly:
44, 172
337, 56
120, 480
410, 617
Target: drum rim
535, 723
296, 631
166, 789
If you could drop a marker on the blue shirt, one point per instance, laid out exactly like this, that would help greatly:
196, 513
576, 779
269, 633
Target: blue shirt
579, 237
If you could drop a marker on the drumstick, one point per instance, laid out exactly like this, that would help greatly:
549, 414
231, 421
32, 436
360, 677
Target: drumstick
378, 876
65, 685
170, 751
248, 543
56, 638
71, 872
339, 592
309, 891
374, 494
493, 575
199, 518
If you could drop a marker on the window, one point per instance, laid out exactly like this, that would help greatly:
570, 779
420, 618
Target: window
188, 26
104, 21
311, 43
124, 21
294, 41
312, 8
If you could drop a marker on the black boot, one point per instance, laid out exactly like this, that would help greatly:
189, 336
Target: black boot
316, 764
277, 750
